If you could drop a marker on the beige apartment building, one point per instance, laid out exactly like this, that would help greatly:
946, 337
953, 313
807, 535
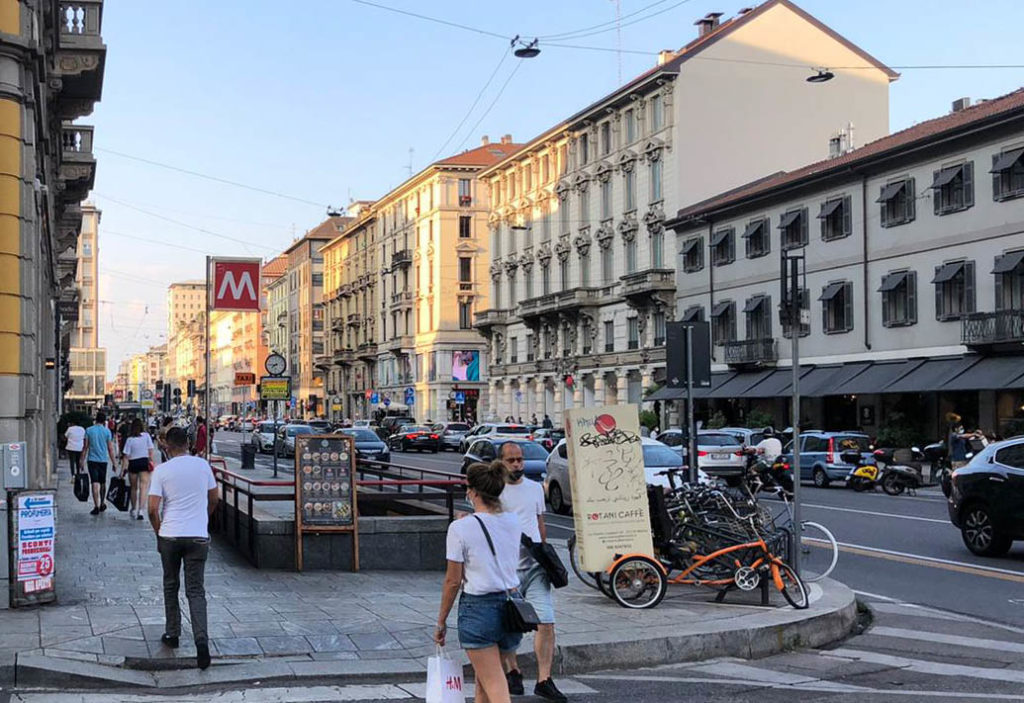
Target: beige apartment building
185, 302
582, 271
88, 360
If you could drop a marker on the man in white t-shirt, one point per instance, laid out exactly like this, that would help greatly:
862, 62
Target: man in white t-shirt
770, 447
75, 436
182, 496
525, 498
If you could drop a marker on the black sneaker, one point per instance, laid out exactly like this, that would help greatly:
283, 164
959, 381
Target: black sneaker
103, 506
202, 655
515, 682
94, 511
171, 642
546, 689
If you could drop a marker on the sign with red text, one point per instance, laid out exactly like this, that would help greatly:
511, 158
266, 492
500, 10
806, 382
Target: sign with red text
33, 541
236, 285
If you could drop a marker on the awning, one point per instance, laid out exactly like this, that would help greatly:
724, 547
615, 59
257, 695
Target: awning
736, 386
891, 191
1006, 160
693, 314
822, 379
828, 207
1008, 262
892, 281
754, 303
946, 176
831, 291
753, 229
876, 377
990, 373
932, 375
789, 218
948, 272
720, 236
666, 393
721, 308
689, 245
778, 384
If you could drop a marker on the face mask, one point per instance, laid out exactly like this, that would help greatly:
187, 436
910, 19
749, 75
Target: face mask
516, 475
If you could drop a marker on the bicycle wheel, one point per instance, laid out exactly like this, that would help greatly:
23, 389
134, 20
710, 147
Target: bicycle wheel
589, 578
638, 583
819, 551
792, 588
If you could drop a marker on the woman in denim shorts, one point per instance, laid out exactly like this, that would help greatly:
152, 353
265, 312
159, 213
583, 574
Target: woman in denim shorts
486, 579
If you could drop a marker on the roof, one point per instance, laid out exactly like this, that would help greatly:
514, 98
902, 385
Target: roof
883, 147
276, 266
485, 155
544, 136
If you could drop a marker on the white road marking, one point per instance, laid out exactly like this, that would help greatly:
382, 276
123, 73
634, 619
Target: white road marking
937, 560
387, 692
929, 667
879, 597
877, 514
959, 640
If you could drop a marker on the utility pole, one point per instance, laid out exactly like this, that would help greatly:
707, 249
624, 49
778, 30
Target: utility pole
793, 312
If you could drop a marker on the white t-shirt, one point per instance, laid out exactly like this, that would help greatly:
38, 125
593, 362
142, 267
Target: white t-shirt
76, 438
526, 501
466, 544
183, 484
138, 447
772, 448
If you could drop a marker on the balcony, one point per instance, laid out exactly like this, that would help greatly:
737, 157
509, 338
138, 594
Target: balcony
751, 352
465, 200
81, 57
399, 345
566, 302
487, 319
367, 352
337, 324
345, 291
993, 331
343, 357
402, 299
354, 319
642, 287
401, 258
78, 165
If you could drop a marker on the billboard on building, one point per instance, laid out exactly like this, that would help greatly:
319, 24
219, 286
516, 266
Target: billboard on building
466, 366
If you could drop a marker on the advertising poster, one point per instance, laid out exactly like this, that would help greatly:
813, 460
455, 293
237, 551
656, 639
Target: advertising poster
35, 534
609, 492
466, 366
324, 488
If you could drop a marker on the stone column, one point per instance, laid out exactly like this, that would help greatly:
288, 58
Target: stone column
645, 381
557, 414
598, 389
539, 393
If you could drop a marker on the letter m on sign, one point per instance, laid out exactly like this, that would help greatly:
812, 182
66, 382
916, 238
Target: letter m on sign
236, 284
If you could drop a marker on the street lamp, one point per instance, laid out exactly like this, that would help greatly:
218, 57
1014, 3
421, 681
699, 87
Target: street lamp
823, 75
524, 50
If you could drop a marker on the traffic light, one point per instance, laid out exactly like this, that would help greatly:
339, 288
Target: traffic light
191, 387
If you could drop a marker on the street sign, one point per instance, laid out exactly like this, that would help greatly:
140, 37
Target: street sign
519, 396
245, 378
375, 398
236, 284
146, 394
387, 401
460, 398
275, 387
675, 371
33, 546
410, 396
369, 394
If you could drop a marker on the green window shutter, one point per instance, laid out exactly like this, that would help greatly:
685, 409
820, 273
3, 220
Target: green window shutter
804, 227
886, 322
884, 215
968, 180
824, 313
999, 287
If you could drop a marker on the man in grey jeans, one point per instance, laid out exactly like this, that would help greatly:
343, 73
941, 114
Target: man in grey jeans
182, 496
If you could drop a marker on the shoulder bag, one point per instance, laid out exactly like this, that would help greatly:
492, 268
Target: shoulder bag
545, 555
519, 615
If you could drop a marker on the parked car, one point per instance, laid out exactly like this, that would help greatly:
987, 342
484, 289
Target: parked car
321, 426
821, 458
657, 457
418, 437
494, 428
369, 446
246, 425
225, 422
451, 434
263, 436
745, 435
362, 423
548, 437
986, 499
286, 438
487, 449
717, 452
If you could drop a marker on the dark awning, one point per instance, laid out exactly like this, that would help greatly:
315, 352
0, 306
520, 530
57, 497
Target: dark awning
776, 385
689, 245
876, 377
736, 386
828, 207
789, 218
932, 375
666, 393
823, 380
831, 291
720, 236
948, 272
1006, 160
753, 228
892, 281
990, 373
754, 303
693, 314
946, 176
1008, 262
721, 308
891, 191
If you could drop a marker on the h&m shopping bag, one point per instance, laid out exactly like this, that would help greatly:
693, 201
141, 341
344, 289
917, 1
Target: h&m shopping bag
117, 494
444, 679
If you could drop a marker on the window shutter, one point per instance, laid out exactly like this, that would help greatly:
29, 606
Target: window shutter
939, 311
848, 305
936, 193
804, 226
766, 312
912, 297
968, 180
825, 324
750, 326
999, 288
886, 322
847, 216
885, 209
969, 301
911, 199
996, 180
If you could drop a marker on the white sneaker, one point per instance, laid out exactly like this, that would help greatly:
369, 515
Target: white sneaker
131, 514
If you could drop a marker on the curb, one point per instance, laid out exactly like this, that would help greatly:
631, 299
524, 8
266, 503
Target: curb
830, 618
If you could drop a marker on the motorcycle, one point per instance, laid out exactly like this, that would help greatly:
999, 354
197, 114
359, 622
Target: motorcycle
864, 477
901, 470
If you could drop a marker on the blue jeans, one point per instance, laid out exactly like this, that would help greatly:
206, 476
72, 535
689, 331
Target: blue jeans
482, 623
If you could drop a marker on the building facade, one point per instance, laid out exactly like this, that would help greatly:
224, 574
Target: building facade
88, 360
185, 301
582, 269
914, 258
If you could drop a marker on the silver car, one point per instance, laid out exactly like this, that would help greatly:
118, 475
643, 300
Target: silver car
718, 451
451, 434
286, 438
263, 436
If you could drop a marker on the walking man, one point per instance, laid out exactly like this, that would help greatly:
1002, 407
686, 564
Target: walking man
548, 424
182, 496
99, 451
525, 498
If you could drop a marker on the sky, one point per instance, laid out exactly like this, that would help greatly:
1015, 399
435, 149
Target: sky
320, 102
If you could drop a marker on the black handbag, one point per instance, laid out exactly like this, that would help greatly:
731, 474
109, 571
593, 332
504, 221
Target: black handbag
82, 485
520, 616
117, 494
545, 555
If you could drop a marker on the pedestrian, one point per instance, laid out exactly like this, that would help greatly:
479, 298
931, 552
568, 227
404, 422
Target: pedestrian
533, 419
123, 430
525, 499
99, 450
161, 437
137, 461
482, 552
182, 496
199, 448
75, 436
547, 422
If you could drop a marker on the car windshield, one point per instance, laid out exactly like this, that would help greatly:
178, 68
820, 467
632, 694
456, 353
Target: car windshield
656, 455
299, 429
362, 435
415, 428
512, 429
855, 442
267, 427
458, 427
530, 450
716, 440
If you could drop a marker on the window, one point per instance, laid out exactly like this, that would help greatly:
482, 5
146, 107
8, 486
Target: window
1011, 456
897, 200
1008, 174
693, 254
465, 269
606, 138
758, 237
723, 322
584, 207
630, 118
632, 333
606, 199
529, 347
793, 225
836, 217
545, 168
1008, 274
805, 307
659, 329
609, 336
465, 226
563, 159
585, 269
658, 249
607, 267
528, 282
528, 178
512, 290
630, 194
656, 167
565, 218
657, 113
563, 273
549, 344
86, 249
545, 228
899, 298
585, 332
758, 312
837, 307
630, 251
584, 147
723, 247
954, 290
694, 313
513, 350
545, 278
953, 188
318, 279
465, 192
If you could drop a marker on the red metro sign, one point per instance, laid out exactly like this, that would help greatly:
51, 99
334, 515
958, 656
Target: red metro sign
236, 284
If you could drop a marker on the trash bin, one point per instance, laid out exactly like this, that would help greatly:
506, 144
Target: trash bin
248, 455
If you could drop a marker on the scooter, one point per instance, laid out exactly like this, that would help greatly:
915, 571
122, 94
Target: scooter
897, 478
862, 478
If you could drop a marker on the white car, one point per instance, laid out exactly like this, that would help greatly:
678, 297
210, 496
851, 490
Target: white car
657, 457
718, 452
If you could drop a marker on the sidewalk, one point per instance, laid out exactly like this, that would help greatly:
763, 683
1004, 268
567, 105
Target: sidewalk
264, 625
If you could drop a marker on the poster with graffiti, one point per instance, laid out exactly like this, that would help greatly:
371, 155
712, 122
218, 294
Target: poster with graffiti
609, 492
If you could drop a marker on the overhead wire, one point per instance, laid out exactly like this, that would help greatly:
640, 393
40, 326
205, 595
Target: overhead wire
619, 25
436, 20
504, 55
493, 103
565, 35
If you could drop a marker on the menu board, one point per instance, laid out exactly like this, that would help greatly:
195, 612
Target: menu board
325, 481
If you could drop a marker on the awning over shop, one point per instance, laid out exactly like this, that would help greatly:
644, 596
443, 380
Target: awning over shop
990, 373
932, 375
823, 379
736, 386
875, 378
778, 384
666, 393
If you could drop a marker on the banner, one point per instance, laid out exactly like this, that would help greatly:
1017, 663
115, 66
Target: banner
609, 490
275, 387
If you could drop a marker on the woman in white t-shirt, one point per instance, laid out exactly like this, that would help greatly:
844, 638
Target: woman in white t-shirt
137, 460
486, 578
75, 436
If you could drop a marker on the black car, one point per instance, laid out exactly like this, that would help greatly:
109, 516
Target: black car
418, 437
369, 447
987, 498
548, 437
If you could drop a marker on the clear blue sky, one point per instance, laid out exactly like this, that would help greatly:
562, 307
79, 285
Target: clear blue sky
323, 100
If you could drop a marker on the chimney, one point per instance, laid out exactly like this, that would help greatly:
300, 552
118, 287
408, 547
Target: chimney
707, 24
506, 139
961, 104
664, 56
744, 10
485, 140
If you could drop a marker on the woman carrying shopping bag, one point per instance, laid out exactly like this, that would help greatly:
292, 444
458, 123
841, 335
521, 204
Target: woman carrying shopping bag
482, 553
137, 459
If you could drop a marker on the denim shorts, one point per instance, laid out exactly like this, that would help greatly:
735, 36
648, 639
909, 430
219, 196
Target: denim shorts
482, 623
535, 586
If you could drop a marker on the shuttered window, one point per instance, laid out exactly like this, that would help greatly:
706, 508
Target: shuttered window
954, 290
837, 307
953, 188
836, 217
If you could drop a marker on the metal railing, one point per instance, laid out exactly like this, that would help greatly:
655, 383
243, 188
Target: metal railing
982, 328
751, 351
